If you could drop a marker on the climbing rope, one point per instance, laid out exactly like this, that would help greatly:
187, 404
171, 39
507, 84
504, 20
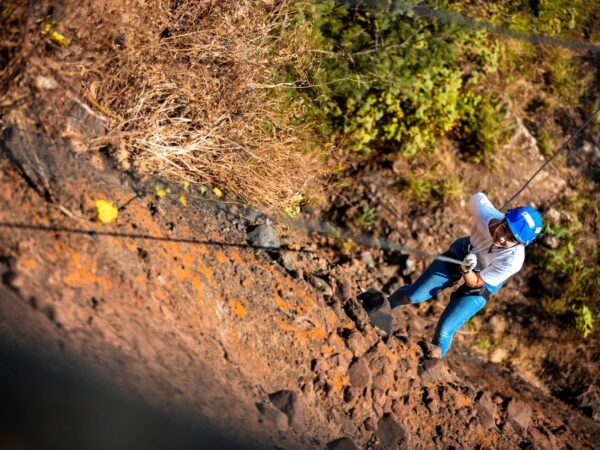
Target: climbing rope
561, 148
323, 228
327, 228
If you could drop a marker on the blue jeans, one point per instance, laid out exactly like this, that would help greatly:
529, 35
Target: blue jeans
465, 302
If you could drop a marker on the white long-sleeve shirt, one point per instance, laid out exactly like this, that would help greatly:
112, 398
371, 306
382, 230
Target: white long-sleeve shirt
498, 264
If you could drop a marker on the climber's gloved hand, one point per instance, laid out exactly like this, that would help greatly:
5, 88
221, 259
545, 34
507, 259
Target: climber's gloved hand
468, 263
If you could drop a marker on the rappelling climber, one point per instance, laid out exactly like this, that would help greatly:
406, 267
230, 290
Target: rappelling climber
494, 252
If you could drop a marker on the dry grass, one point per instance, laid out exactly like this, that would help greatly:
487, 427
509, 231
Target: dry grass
188, 89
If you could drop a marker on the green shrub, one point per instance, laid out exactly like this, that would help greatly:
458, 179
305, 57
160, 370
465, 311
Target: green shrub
391, 81
573, 264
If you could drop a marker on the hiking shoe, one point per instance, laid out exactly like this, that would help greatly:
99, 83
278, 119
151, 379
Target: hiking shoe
372, 299
378, 309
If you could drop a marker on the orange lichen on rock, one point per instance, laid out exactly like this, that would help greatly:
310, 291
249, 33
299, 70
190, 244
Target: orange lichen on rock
197, 284
315, 333
160, 294
82, 273
336, 340
326, 350
339, 382
27, 264
385, 350
237, 258
207, 272
237, 307
8, 192
185, 270
279, 301
140, 280
331, 319
460, 401
220, 257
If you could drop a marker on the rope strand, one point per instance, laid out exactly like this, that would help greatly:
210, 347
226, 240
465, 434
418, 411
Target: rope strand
561, 148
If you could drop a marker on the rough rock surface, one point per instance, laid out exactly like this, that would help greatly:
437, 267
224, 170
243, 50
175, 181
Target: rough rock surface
203, 329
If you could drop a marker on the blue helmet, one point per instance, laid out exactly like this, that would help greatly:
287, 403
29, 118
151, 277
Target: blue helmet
525, 223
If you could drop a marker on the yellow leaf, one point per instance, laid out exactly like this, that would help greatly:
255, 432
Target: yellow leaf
218, 192
183, 200
107, 212
186, 186
161, 192
59, 38
202, 190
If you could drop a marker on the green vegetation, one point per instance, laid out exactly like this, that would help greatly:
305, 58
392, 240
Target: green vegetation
292, 209
387, 80
486, 344
381, 81
366, 217
573, 264
433, 185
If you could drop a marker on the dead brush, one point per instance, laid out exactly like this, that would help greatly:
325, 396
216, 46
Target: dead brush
189, 90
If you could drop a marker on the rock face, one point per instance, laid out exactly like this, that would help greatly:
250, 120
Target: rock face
547, 183
432, 370
217, 327
290, 404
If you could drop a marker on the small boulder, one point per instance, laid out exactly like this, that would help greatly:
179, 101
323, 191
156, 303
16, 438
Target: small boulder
432, 370
486, 411
264, 236
357, 344
552, 215
290, 404
82, 119
390, 434
357, 313
379, 397
15, 280
367, 259
551, 241
360, 374
498, 324
498, 355
42, 83
321, 285
409, 267
274, 415
498, 399
370, 423
286, 259
518, 413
